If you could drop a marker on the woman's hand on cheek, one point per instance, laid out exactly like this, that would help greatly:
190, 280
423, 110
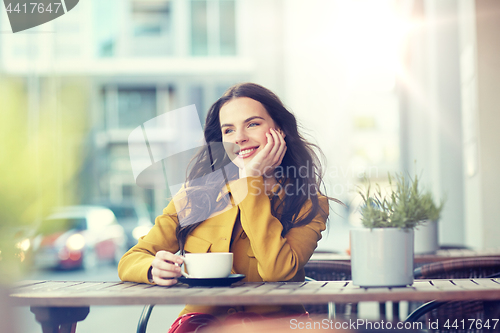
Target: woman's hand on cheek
268, 158
278, 151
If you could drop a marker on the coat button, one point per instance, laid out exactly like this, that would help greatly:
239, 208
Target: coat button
231, 311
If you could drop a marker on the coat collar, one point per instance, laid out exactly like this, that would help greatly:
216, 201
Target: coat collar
218, 228
276, 190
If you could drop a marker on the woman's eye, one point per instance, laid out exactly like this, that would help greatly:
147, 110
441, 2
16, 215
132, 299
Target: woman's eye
227, 131
253, 124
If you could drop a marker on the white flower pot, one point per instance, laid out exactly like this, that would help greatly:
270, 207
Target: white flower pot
426, 237
382, 257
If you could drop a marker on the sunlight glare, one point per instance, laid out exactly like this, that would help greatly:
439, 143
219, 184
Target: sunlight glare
370, 36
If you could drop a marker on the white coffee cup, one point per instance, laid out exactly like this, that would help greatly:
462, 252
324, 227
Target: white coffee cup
208, 265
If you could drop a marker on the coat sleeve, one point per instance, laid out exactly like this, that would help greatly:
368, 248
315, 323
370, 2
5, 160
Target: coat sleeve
135, 263
279, 258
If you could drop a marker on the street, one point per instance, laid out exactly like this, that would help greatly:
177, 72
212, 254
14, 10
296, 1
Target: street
108, 319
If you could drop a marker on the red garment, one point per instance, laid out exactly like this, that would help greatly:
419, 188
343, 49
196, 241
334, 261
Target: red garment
196, 322
192, 322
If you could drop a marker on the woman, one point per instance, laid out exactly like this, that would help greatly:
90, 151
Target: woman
267, 209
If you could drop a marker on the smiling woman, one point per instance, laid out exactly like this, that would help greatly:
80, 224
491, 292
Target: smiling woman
247, 125
240, 192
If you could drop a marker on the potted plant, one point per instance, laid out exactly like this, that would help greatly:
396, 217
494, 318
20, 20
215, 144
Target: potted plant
382, 251
426, 234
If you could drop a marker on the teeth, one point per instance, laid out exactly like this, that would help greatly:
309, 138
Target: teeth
246, 151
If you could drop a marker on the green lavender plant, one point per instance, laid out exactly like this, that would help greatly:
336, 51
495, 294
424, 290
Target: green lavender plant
376, 211
429, 205
405, 206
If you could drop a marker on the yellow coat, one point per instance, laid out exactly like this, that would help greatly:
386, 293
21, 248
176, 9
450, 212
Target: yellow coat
259, 251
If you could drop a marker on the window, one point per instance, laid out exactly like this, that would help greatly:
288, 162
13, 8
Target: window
128, 107
107, 26
213, 27
135, 106
135, 28
197, 97
227, 27
199, 30
221, 88
151, 28
128, 191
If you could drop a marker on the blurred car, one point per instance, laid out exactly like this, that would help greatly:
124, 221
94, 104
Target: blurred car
133, 216
78, 237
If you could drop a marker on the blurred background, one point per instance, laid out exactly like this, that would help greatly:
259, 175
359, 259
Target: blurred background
381, 86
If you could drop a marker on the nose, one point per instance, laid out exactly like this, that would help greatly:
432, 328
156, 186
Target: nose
240, 137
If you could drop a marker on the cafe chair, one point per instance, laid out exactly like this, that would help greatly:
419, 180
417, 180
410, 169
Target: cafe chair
459, 268
461, 310
327, 270
144, 318
454, 247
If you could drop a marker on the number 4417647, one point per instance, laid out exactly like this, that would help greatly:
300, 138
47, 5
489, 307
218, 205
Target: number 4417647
34, 7
471, 324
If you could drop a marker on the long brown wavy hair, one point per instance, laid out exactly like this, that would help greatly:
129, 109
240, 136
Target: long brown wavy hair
204, 185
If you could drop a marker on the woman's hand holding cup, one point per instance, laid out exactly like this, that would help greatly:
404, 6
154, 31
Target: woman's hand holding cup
165, 268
